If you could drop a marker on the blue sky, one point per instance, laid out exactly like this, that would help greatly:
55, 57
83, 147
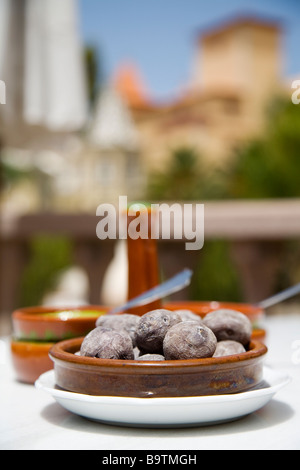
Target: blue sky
159, 35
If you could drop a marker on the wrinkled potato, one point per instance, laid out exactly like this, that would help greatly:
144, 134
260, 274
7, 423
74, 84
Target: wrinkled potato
229, 324
106, 343
189, 340
168, 335
120, 322
152, 327
227, 348
151, 357
188, 315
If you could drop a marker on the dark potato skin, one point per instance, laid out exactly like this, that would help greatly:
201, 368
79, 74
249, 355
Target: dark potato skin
189, 340
151, 357
229, 324
163, 334
106, 343
227, 348
188, 315
152, 328
120, 322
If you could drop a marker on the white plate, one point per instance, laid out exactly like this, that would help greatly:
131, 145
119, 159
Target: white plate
166, 412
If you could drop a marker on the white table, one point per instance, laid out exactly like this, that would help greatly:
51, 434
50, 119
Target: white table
31, 419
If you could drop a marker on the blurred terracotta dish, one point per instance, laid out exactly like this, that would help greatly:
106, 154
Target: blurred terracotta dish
30, 359
255, 314
130, 378
54, 324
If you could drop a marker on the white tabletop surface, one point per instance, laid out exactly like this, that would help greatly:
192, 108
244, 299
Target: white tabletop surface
31, 419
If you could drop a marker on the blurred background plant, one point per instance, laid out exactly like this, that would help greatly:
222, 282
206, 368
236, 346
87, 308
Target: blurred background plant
186, 177
11, 175
50, 257
268, 167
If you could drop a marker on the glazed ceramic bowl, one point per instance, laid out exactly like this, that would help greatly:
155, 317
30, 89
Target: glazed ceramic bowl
54, 324
255, 314
129, 378
30, 359
37, 329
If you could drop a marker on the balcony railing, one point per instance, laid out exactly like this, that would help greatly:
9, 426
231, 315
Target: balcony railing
256, 230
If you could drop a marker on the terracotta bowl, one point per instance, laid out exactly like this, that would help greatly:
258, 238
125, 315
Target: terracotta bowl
30, 359
193, 377
54, 324
255, 314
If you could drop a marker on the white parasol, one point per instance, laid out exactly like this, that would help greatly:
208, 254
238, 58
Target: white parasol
41, 63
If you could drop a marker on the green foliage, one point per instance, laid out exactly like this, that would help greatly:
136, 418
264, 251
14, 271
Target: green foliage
216, 277
50, 256
184, 179
94, 71
91, 67
12, 175
269, 167
180, 181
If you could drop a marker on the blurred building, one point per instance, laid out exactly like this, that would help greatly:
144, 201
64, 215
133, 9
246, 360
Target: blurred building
237, 68
112, 153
